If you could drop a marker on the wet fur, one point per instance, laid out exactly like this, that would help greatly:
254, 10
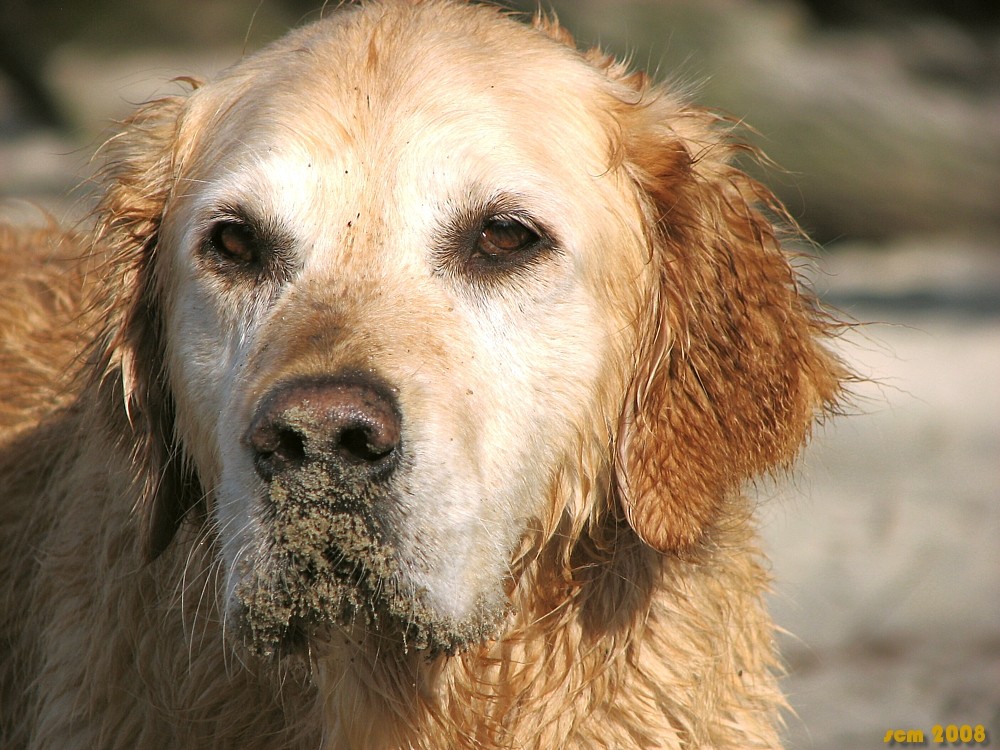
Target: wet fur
636, 599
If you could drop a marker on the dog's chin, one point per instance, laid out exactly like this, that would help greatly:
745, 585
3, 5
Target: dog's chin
283, 611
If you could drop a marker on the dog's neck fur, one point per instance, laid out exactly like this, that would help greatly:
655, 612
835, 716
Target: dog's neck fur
503, 694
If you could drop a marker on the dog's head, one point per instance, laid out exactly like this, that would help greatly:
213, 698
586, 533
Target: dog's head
388, 288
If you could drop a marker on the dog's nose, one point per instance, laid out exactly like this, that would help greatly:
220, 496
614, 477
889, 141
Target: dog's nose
352, 423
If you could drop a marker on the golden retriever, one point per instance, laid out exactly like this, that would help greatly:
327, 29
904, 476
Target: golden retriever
401, 397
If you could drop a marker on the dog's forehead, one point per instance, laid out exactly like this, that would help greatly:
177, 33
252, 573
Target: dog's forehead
379, 83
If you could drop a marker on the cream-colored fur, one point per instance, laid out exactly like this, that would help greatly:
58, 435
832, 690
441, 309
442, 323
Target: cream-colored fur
570, 561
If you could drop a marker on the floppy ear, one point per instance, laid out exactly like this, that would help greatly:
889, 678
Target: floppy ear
128, 355
731, 369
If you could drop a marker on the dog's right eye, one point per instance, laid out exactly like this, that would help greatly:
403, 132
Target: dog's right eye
246, 247
234, 241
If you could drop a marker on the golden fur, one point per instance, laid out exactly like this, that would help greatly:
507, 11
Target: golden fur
596, 409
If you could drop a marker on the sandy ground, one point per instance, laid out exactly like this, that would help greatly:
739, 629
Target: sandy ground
886, 547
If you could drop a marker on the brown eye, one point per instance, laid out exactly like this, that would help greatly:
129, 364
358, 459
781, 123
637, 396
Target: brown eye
234, 241
493, 243
501, 238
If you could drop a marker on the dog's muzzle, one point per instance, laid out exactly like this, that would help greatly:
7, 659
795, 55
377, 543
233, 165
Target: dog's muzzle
326, 450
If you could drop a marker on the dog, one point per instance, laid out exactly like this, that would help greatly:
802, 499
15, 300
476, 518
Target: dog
401, 396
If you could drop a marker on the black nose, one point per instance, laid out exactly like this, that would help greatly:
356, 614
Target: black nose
351, 422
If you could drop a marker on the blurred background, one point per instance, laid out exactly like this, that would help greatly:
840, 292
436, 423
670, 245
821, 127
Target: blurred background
883, 119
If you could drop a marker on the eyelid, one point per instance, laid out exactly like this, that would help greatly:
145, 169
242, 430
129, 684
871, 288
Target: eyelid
512, 218
225, 213
515, 215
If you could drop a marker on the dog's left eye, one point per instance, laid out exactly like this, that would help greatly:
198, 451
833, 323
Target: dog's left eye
501, 238
489, 246
502, 244
234, 241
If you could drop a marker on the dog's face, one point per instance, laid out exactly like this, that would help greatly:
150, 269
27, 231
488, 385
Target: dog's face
418, 282
387, 293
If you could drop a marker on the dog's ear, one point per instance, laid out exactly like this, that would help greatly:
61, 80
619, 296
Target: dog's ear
732, 370
127, 362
